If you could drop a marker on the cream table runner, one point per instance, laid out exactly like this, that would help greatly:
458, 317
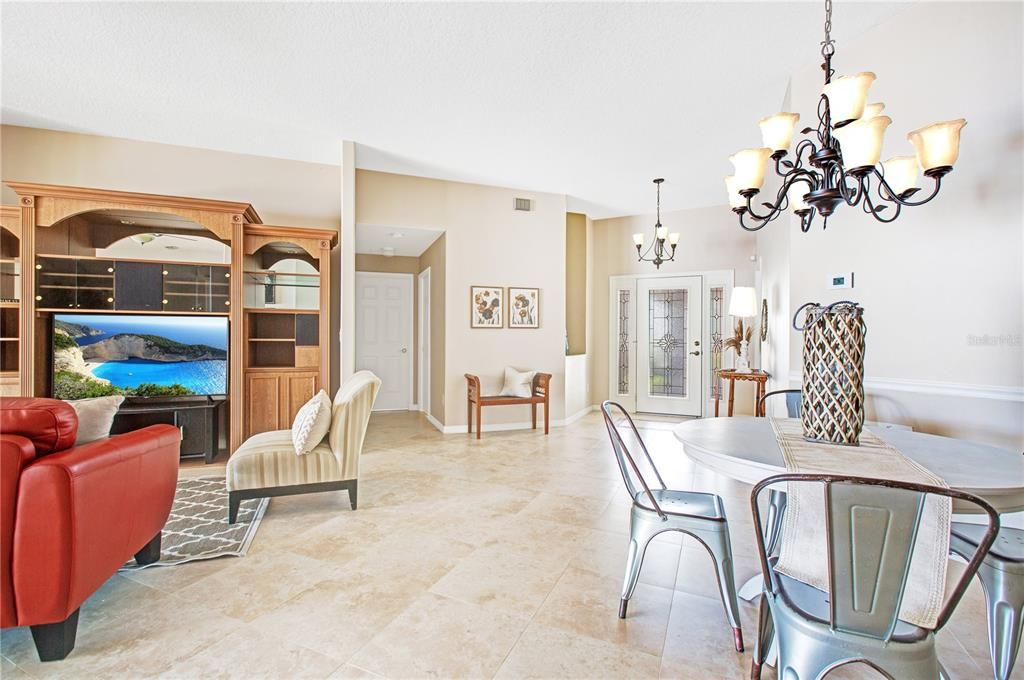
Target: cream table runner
804, 545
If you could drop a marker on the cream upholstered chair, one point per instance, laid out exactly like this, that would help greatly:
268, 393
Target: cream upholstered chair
266, 464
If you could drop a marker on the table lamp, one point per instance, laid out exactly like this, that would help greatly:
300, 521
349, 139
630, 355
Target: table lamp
743, 304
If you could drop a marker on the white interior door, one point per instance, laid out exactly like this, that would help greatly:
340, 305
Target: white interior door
668, 353
384, 335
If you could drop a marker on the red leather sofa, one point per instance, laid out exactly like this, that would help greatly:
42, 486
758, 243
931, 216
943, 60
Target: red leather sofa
70, 516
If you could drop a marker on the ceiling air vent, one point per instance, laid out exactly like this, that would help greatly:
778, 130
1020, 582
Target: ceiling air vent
524, 204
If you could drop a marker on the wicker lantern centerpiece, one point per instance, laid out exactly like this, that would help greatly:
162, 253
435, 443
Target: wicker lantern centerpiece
832, 395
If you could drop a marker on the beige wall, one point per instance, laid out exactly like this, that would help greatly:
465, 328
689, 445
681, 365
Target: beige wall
946, 271
434, 259
284, 192
576, 259
399, 265
487, 243
709, 240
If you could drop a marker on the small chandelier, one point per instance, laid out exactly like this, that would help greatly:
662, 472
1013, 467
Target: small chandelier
656, 252
839, 164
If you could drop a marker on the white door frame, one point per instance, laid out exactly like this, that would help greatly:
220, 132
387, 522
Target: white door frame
423, 344
724, 278
412, 306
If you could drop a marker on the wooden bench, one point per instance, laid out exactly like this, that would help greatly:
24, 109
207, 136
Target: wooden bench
541, 383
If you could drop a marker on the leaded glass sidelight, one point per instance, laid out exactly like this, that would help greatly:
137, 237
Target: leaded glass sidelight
668, 326
624, 299
716, 318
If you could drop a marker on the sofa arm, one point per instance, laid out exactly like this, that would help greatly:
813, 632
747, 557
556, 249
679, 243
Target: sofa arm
15, 454
51, 424
82, 513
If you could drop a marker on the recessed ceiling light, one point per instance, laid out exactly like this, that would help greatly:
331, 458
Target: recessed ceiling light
397, 234
387, 251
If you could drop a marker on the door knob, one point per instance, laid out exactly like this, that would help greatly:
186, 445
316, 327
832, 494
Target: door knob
695, 353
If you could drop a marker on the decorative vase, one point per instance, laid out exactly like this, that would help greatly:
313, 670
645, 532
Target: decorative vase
832, 395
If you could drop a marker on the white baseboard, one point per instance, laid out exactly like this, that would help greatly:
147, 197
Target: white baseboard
579, 414
414, 407
946, 389
434, 421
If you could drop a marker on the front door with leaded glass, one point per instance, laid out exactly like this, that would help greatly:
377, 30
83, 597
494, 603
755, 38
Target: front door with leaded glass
668, 347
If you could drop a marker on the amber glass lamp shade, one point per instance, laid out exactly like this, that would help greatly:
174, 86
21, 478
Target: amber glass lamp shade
777, 130
796, 194
938, 145
750, 165
735, 200
847, 95
900, 173
861, 141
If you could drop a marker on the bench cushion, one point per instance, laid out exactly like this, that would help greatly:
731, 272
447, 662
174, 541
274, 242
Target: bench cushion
268, 460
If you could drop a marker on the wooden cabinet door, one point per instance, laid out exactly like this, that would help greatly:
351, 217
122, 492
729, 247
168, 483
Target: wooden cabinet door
273, 399
262, 395
299, 388
139, 286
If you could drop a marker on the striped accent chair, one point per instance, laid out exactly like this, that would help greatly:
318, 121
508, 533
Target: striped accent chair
266, 464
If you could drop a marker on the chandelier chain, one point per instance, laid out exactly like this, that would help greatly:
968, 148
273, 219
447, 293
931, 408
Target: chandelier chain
828, 45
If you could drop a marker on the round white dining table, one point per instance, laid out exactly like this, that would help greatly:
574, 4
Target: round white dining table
745, 449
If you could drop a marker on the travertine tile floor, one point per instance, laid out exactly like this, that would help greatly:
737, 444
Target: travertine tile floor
466, 559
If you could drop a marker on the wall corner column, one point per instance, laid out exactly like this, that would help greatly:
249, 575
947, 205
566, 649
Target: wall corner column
347, 365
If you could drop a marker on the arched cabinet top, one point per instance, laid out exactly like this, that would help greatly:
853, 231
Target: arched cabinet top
10, 219
53, 203
312, 241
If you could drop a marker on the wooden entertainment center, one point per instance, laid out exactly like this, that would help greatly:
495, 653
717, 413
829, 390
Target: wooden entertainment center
273, 288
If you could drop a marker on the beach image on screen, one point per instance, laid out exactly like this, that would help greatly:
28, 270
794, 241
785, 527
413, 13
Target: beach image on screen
97, 355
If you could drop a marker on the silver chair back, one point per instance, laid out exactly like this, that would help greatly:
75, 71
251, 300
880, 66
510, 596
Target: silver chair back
871, 528
631, 474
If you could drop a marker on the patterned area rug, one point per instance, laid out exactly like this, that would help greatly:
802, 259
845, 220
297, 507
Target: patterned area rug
198, 527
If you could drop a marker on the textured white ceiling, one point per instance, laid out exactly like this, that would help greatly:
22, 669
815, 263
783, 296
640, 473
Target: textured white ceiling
590, 100
405, 241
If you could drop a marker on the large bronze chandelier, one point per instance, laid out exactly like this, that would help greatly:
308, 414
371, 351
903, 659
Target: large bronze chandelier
657, 252
838, 162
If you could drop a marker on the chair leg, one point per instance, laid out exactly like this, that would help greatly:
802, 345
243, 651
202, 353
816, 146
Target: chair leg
1004, 602
469, 416
150, 552
533, 409
352, 494
763, 641
717, 543
547, 414
639, 537
54, 641
479, 422
233, 502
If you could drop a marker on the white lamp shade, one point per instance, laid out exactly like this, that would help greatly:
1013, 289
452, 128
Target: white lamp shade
673, 238
900, 173
861, 141
777, 130
846, 96
743, 302
735, 200
661, 233
750, 165
638, 239
938, 145
872, 110
795, 194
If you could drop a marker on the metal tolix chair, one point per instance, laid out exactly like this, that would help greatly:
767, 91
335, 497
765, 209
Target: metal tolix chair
1002, 578
792, 402
856, 621
700, 515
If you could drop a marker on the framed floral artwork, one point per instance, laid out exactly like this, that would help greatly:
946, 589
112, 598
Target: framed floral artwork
523, 307
486, 307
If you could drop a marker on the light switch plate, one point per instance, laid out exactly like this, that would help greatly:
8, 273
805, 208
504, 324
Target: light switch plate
844, 280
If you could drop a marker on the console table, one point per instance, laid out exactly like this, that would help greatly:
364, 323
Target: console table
755, 375
198, 420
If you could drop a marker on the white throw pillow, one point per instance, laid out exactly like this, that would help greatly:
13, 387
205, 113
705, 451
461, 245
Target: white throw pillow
95, 417
517, 384
312, 423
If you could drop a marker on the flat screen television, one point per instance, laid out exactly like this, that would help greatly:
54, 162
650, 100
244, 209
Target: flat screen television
138, 355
